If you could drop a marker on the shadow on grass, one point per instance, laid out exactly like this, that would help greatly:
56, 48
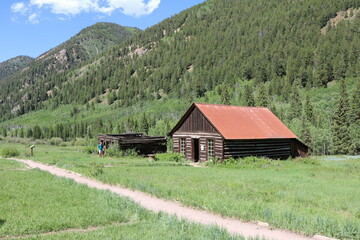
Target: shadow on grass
2, 222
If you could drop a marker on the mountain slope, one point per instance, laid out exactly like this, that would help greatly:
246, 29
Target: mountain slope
220, 41
13, 65
88, 43
31, 83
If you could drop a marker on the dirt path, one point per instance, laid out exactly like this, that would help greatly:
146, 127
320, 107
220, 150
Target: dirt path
154, 204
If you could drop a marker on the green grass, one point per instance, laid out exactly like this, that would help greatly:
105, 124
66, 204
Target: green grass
311, 196
312, 199
155, 227
34, 203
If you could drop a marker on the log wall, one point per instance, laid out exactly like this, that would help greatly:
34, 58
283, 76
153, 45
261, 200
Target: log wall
272, 148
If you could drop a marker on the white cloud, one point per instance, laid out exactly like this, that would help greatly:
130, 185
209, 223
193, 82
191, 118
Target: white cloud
134, 7
19, 7
34, 18
74, 7
70, 8
66, 7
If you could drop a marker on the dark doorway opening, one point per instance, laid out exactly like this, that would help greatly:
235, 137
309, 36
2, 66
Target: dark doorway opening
195, 150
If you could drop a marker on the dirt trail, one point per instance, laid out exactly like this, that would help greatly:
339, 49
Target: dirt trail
233, 226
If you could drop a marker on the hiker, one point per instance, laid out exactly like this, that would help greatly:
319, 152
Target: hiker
100, 148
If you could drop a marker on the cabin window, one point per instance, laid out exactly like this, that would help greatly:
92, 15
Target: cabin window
182, 145
210, 148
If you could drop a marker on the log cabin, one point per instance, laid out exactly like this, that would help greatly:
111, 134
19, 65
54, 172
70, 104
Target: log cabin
141, 143
221, 131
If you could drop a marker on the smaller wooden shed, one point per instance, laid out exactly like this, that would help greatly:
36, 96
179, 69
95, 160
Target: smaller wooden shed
142, 143
221, 131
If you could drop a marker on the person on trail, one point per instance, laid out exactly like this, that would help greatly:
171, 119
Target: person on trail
100, 148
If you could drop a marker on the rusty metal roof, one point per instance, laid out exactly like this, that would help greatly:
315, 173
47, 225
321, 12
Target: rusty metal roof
235, 122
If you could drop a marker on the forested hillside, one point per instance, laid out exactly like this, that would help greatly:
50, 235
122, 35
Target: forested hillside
288, 55
23, 90
13, 65
85, 45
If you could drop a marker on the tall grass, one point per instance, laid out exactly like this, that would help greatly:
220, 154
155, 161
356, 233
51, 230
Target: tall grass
34, 202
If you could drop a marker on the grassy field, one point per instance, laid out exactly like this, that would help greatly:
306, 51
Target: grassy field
310, 196
37, 205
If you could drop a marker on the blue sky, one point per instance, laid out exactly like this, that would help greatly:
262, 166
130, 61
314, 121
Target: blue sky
32, 27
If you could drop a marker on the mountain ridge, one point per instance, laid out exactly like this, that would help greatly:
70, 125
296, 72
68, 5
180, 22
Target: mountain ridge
10, 66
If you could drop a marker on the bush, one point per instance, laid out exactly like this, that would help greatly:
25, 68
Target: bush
96, 169
80, 142
169, 157
114, 151
39, 142
55, 141
89, 149
130, 153
9, 152
25, 141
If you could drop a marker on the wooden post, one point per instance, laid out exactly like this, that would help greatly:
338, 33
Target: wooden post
32, 150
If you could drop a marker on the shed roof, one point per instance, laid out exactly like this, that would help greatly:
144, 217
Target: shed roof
236, 122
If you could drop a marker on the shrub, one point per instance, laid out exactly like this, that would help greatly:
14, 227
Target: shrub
55, 141
80, 142
89, 149
114, 151
25, 141
169, 157
39, 142
96, 169
9, 152
130, 153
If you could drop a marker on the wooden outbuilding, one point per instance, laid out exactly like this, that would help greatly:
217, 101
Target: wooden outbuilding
220, 131
140, 142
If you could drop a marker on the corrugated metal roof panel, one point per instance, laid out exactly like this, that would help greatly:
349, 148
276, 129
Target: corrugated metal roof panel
235, 122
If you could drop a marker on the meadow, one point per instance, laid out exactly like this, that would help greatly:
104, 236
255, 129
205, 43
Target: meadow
37, 205
312, 196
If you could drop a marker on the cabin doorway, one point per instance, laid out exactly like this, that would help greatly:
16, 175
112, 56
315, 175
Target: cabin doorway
195, 149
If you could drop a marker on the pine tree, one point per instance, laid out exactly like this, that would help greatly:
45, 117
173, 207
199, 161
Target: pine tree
262, 97
355, 104
309, 109
29, 133
355, 115
248, 97
144, 125
305, 132
37, 132
295, 103
21, 133
225, 96
4, 132
342, 139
